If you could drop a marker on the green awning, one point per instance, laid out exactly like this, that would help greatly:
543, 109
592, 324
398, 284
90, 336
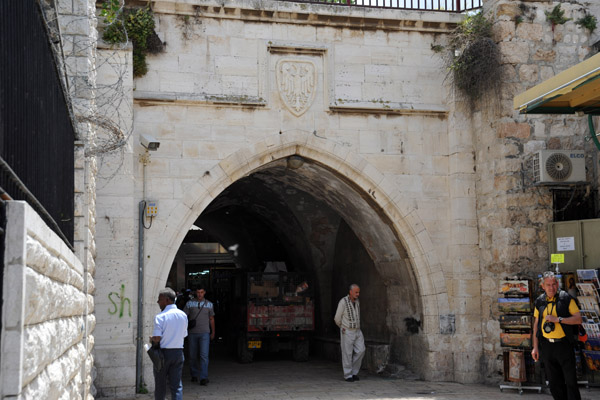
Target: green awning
575, 90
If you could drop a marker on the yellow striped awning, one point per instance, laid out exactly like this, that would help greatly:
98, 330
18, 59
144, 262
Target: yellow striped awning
575, 90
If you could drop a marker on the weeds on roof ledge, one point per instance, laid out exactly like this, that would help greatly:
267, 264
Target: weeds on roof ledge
135, 25
473, 59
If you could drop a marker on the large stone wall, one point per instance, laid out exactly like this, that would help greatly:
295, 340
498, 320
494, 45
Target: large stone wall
116, 236
48, 318
379, 119
445, 178
47, 315
513, 215
79, 36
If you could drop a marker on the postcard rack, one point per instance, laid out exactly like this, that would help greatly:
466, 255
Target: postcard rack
588, 289
515, 306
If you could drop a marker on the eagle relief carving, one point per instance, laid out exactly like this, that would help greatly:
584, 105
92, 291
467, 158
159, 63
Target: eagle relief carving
296, 81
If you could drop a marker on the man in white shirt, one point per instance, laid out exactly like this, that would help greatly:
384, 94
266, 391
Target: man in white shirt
170, 328
347, 318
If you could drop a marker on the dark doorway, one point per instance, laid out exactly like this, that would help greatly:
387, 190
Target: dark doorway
313, 221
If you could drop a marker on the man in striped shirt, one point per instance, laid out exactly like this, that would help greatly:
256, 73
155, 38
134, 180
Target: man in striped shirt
352, 342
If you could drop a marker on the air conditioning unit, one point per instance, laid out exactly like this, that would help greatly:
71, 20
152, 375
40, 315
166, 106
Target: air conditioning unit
559, 167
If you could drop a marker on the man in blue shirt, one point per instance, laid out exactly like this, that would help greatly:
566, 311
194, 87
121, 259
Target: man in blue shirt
170, 328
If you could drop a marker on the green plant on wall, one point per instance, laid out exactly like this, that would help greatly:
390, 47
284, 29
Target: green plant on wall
135, 25
556, 16
110, 10
589, 22
437, 48
473, 60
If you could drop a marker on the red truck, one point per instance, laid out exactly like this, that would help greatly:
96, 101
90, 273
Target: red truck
278, 313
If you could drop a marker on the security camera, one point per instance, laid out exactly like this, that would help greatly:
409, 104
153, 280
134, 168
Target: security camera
149, 142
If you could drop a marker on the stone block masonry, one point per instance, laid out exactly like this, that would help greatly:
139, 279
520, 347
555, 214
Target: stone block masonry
47, 315
448, 177
512, 213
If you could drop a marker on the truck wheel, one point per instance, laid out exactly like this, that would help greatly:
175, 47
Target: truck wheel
301, 350
245, 355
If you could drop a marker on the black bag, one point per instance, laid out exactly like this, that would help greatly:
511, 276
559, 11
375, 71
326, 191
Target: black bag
156, 355
192, 322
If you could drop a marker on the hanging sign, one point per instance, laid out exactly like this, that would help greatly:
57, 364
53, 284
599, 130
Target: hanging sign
557, 258
565, 243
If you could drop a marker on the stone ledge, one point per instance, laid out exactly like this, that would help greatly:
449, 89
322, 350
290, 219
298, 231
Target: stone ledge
145, 98
156, 98
314, 14
386, 107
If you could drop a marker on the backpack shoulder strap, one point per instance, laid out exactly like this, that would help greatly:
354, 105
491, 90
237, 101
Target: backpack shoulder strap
541, 303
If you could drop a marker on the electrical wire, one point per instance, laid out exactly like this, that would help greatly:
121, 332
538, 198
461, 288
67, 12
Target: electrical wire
151, 218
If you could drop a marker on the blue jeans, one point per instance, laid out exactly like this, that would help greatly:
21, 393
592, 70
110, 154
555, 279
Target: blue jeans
199, 343
171, 372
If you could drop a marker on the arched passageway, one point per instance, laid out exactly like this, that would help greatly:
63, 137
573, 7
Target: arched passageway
300, 212
350, 202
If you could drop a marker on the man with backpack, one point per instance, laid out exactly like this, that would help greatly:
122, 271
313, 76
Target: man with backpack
556, 319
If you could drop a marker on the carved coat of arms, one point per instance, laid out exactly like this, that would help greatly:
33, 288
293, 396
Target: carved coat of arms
296, 81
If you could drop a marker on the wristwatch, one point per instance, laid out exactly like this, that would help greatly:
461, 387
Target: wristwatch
560, 320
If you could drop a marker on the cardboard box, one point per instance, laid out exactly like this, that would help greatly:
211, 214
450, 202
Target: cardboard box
263, 291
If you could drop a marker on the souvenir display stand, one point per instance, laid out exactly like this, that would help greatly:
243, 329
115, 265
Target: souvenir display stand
588, 296
516, 318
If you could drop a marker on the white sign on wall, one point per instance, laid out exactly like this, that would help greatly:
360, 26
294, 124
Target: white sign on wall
565, 243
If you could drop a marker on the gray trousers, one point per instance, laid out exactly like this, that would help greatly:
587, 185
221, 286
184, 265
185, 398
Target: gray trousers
353, 350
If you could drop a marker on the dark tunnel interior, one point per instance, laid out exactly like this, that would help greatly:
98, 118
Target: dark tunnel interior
311, 220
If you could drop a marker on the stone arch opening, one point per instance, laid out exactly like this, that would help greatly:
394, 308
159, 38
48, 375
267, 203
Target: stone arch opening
266, 187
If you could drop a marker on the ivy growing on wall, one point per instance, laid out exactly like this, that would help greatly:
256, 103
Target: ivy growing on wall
473, 59
135, 25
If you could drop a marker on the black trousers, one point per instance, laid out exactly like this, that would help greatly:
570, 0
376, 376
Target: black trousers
559, 363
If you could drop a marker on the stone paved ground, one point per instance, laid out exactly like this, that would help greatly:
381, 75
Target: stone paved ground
279, 378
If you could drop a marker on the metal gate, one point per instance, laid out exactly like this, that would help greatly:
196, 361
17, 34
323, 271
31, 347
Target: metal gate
36, 130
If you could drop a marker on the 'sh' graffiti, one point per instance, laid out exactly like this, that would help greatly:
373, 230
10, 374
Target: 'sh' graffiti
120, 296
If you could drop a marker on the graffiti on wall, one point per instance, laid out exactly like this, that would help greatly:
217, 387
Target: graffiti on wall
119, 304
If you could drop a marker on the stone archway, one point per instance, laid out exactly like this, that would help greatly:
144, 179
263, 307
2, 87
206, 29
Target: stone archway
386, 200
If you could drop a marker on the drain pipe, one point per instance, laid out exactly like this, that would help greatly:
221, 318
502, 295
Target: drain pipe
139, 370
593, 134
